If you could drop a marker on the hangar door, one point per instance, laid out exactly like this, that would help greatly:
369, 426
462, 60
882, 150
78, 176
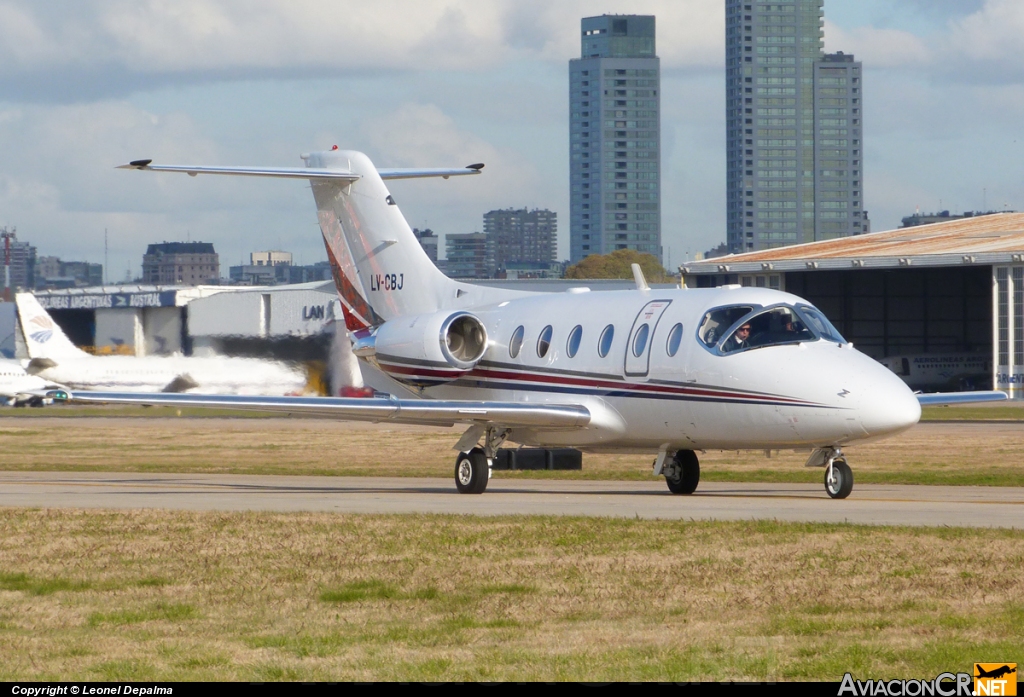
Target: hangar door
1009, 329
905, 311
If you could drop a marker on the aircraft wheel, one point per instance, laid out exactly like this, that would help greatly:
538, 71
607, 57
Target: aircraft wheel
840, 484
472, 472
686, 473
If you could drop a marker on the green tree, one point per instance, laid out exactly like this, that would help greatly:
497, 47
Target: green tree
618, 265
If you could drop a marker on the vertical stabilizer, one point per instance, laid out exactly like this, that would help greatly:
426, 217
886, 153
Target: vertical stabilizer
43, 337
376, 257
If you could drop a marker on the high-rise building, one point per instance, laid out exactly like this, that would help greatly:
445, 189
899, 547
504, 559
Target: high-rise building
180, 263
428, 240
794, 120
272, 258
615, 135
521, 235
469, 255
17, 262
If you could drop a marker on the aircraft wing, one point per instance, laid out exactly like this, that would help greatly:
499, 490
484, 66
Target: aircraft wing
939, 398
426, 412
303, 172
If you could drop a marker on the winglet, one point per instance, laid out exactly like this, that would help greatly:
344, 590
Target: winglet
638, 277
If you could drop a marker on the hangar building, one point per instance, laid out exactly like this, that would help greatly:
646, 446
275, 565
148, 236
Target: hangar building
162, 320
931, 293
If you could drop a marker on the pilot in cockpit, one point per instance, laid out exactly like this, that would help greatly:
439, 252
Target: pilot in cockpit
738, 339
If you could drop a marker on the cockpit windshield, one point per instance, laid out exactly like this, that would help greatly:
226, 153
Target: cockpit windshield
716, 322
821, 325
774, 326
743, 327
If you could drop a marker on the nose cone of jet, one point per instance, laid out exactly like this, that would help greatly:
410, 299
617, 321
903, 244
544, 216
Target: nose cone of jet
889, 405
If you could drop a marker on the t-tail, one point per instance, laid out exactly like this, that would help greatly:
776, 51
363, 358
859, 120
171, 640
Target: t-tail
379, 267
374, 254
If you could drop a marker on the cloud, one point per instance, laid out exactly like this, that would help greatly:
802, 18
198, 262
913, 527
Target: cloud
422, 135
972, 42
101, 48
994, 34
878, 48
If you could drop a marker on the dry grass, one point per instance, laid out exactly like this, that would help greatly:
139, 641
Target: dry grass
931, 453
156, 595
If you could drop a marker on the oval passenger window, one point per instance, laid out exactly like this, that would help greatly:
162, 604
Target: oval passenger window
604, 344
675, 336
544, 342
640, 340
517, 342
573, 345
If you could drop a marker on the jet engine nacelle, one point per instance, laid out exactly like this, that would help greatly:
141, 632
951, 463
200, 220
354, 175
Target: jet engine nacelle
426, 349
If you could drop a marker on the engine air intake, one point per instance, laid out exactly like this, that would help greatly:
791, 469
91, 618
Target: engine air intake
463, 340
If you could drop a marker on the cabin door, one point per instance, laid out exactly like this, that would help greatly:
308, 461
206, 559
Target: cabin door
641, 336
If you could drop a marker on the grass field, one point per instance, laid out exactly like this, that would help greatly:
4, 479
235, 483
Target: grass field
161, 595
157, 595
967, 453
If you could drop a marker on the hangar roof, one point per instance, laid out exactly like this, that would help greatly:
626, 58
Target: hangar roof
989, 239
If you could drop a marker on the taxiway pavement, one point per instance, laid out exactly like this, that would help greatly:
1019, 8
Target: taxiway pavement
879, 504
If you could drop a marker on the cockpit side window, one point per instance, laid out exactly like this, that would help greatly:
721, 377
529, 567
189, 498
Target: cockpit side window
819, 323
773, 327
716, 322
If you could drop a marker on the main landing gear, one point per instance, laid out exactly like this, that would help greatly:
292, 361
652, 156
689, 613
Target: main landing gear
473, 468
472, 471
682, 472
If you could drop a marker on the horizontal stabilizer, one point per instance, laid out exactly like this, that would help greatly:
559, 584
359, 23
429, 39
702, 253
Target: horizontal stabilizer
940, 398
407, 411
317, 173
277, 172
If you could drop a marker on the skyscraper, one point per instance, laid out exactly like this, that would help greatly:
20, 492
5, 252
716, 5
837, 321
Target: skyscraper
522, 235
794, 120
615, 134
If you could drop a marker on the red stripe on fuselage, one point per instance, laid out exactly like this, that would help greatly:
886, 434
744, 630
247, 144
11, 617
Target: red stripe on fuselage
591, 383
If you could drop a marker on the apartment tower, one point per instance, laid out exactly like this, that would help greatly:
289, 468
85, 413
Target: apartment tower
615, 134
794, 118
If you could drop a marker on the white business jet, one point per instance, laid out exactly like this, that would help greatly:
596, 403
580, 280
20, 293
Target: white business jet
666, 372
54, 357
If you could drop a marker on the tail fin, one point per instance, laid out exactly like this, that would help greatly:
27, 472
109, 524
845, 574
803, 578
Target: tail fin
380, 269
376, 257
43, 337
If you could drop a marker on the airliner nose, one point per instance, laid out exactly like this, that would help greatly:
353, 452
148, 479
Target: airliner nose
889, 407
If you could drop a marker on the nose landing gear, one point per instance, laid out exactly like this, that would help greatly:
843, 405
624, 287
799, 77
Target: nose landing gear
838, 475
838, 479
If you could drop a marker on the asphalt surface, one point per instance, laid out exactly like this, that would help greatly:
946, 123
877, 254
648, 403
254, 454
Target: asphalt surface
880, 504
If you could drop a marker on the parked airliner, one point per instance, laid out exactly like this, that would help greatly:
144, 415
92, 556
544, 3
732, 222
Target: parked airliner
666, 372
54, 357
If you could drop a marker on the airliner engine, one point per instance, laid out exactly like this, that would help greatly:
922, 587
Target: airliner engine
425, 350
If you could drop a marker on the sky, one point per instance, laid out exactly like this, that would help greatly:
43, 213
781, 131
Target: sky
86, 85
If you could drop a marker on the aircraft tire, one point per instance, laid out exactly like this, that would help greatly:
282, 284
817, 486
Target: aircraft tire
842, 480
471, 472
689, 473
